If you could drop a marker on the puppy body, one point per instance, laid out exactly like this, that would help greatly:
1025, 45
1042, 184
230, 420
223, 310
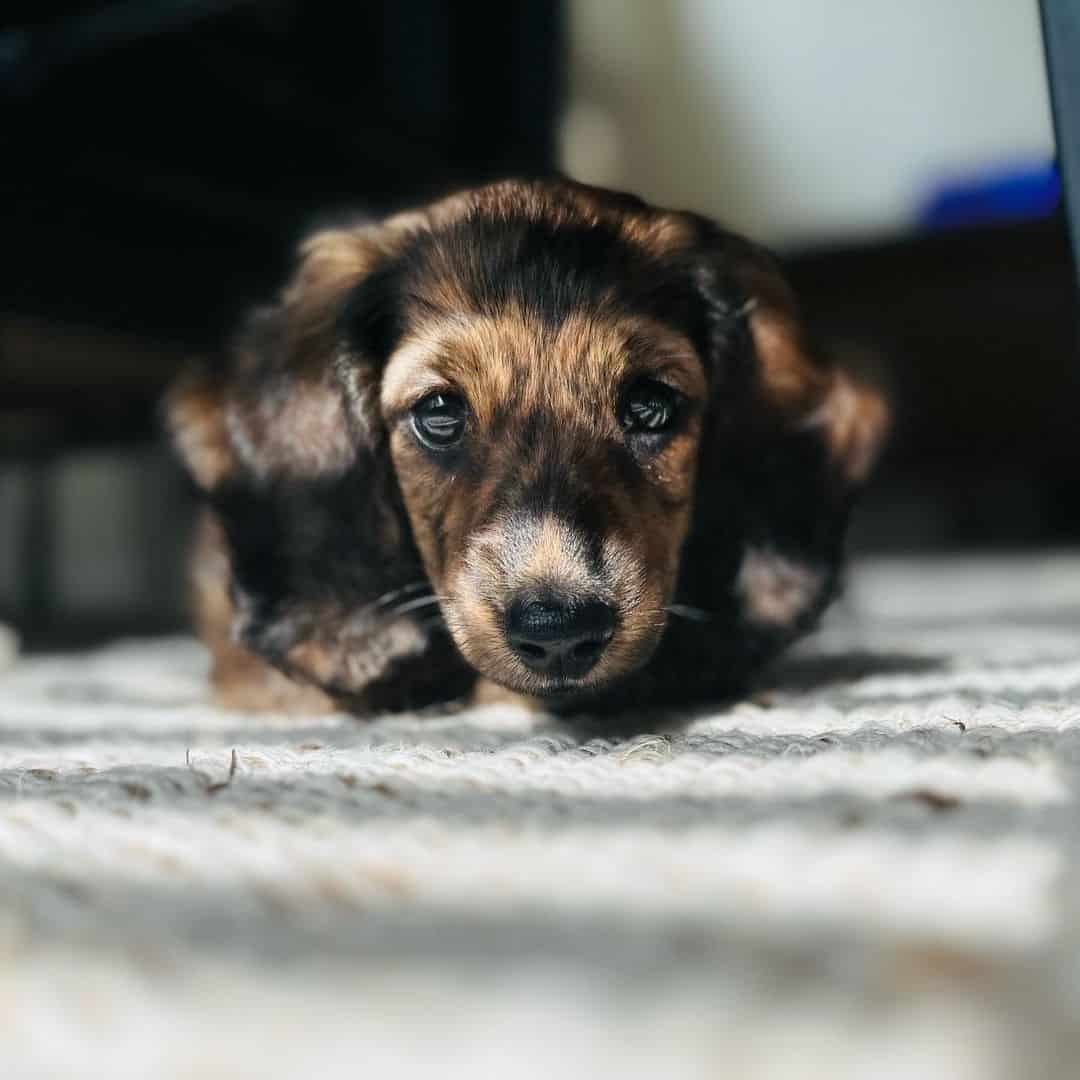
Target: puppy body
537, 431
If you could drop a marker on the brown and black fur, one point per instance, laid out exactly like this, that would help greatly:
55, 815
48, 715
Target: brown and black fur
345, 564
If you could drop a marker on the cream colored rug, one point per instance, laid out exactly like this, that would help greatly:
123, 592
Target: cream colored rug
869, 870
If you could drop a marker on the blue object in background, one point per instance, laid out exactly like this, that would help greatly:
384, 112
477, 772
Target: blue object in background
1014, 193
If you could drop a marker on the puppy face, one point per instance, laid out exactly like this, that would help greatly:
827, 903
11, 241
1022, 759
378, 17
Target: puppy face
548, 473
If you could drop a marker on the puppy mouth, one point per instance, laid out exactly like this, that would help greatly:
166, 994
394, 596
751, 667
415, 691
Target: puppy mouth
553, 687
504, 666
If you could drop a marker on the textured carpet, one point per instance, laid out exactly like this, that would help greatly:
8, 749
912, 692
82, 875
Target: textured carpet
868, 870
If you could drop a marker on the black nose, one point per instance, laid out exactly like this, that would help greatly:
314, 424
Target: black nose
557, 638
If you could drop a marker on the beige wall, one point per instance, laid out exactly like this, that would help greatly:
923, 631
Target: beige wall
801, 120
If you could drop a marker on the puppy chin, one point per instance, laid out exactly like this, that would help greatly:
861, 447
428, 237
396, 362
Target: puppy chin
564, 693
590, 696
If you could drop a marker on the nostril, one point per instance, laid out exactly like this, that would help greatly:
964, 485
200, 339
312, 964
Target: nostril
528, 649
588, 650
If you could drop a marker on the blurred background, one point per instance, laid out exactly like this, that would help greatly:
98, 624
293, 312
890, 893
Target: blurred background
161, 159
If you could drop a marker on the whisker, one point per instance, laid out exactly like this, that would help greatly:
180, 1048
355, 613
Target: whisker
390, 597
411, 605
373, 608
687, 611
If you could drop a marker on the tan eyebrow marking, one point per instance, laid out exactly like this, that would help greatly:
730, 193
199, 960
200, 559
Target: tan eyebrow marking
512, 359
474, 353
412, 369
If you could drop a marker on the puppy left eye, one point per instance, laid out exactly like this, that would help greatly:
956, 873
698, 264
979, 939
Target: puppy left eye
439, 420
648, 407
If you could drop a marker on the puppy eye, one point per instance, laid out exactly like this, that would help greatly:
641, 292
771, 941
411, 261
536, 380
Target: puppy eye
439, 420
648, 407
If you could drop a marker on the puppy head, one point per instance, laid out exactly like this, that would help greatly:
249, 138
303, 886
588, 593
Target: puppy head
555, 363
569, 396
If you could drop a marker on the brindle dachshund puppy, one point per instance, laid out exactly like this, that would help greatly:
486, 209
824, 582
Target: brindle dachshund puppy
536, 432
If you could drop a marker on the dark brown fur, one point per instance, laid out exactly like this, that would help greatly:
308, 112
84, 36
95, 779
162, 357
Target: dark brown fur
367, 568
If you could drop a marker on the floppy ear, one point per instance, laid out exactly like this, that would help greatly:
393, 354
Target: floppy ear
287, 447
797, 383
790, 439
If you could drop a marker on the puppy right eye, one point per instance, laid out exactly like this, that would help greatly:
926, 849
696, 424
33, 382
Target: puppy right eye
649, 407
439, 420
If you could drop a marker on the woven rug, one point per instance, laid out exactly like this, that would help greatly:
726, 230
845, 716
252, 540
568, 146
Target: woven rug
868, 869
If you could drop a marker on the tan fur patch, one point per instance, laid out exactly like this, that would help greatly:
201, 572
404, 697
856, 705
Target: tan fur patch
556, 553
856, 420
775, 590
662, 234
240, 679
794, 383
195, 416
300, 431
332, 262
854, 417
351, 653
465, 352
